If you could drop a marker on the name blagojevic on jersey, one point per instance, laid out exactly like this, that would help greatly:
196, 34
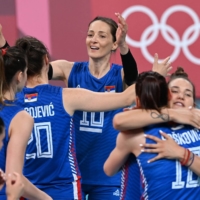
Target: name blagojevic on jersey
41, 111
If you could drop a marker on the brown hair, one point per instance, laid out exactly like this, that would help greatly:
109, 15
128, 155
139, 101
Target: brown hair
35, 51
12, 60
152, 90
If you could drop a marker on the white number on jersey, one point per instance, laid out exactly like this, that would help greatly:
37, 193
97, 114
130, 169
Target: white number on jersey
190, 183
84, 123
37, 130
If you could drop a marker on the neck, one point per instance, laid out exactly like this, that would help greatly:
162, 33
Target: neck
99, 67
37, 80
9, 94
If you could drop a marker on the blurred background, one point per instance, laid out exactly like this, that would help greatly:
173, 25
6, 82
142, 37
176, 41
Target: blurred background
169, 28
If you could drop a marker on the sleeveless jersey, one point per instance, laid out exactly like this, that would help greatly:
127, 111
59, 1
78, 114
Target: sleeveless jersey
95, 135
7, 113
130, 180
50, 157
168, 179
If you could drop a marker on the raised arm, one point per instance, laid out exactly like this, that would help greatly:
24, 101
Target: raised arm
19, 133
138, 118
130, 71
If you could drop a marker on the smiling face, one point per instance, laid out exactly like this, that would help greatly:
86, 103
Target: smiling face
99, 40
181, 93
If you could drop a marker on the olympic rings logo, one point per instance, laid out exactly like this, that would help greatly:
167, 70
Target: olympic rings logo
189, 36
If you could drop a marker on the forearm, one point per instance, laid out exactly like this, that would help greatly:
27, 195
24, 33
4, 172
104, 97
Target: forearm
32, 192
139, 118
129, 68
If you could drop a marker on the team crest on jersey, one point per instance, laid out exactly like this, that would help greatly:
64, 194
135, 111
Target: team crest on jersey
110, 88
30, 97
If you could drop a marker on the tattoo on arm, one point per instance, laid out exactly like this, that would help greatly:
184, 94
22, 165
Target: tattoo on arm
164, 117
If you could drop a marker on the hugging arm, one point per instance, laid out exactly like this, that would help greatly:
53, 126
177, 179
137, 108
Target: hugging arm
169, 149
138, 118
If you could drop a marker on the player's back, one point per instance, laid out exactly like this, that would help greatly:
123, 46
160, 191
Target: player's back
167, 179
95, 135
50, 161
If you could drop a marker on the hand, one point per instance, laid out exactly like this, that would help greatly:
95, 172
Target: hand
2, 39
14, 186
162, 68
121, 30
167, 148
190, 116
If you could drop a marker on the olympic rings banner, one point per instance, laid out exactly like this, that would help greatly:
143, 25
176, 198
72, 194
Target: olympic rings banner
169, 28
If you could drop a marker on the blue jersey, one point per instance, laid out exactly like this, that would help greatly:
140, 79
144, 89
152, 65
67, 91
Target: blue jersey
50, 162
168, 179
130, 181
7, 113
95, 135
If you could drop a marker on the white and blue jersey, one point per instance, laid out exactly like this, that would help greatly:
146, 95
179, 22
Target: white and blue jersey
168, 179
50, 161
7, 113
95, 135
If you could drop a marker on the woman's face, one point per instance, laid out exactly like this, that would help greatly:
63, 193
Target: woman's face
99, 40
181, 93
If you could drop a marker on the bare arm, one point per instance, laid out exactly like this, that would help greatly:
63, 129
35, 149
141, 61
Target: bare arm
81, 99
138, 118
61, 70
118, 156
126, 144
19, 133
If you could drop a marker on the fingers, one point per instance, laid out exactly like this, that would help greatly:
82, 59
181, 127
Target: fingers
166, 136
148, 146
156, 139
154, 159
155, 58
165, 61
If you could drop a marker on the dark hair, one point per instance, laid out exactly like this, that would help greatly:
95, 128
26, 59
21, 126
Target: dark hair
180, 73
1, 126
152, 90
35, 51
113, 25
12, 60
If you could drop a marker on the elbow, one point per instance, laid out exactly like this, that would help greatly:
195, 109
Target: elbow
117, 121
107, 171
